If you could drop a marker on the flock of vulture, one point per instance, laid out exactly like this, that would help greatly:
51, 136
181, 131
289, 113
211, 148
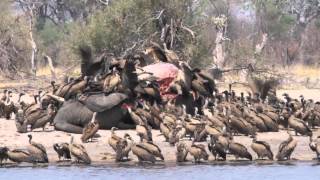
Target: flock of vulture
123, 93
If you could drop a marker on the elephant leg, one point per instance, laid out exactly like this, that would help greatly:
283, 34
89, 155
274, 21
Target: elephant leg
122, 125
67, 127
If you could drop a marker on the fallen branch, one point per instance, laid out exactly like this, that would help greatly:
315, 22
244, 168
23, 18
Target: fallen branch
188, 30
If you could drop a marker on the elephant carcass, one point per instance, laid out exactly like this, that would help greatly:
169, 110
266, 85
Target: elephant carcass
74, 115
100, 102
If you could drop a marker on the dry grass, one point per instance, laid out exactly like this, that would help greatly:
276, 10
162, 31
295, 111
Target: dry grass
305, 71
60, 71
42, 78
4, 85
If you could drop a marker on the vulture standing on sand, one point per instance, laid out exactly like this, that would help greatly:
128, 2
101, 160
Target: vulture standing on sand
286, 148
79, 152
261, 148
38, 151
239, 150
315, 146
90, 129
198, 151
62, 150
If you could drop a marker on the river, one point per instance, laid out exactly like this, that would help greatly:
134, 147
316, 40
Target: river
295, 171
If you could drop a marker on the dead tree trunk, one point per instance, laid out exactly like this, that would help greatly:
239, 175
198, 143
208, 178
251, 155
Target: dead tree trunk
52, 69
219, 51
245, 75
32, 41
258, 49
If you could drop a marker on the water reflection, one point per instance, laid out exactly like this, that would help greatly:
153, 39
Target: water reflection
234, 171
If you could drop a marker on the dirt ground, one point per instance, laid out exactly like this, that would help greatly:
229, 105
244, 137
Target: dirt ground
101, 152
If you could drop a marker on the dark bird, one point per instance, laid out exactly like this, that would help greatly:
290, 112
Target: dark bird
144, 130
217, 148
3, 154
198, 152
286, 148
153, 148
123, 147
239, 150
299, 126
261, 148
44, 117
143, 153
62, 150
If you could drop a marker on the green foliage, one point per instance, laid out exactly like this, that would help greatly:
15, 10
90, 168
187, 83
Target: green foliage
113, 28
125, 22
50, 34
276, 21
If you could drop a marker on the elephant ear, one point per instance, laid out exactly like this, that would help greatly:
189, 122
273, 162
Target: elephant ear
100, 102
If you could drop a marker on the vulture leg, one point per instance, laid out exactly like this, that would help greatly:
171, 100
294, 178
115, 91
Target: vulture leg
67, 127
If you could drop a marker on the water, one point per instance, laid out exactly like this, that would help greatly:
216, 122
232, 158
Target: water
233, 172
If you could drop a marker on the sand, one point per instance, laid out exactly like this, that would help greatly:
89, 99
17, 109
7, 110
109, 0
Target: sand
102, 153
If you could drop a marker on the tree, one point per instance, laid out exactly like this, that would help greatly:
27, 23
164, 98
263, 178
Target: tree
131, 25
14, 47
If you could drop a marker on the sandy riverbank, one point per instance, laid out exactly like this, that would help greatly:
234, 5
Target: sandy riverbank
101, 152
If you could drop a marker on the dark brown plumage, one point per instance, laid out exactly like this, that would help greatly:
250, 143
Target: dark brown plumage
239, 150
123, 147
198, 152
62, 150
3, 154
286, 148
262, 149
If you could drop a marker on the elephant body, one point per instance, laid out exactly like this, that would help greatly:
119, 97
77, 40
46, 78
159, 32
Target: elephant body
73, 116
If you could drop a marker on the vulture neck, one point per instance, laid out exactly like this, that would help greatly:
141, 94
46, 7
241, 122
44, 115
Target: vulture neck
94, 117
30, 139
71, 140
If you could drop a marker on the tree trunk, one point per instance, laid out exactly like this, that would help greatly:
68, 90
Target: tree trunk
218, 52
33, 54
52, 69
259, 47
32, 42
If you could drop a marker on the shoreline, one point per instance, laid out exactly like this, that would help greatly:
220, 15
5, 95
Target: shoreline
164, 165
